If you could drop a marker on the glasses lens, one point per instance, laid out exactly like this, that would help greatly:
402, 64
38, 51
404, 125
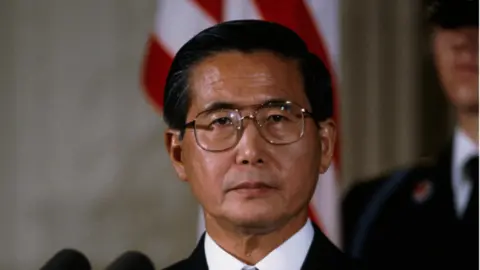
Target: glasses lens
217, 130
280, 123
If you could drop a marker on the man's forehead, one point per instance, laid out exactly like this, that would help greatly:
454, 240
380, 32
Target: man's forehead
236, 64
219, 77
239, 102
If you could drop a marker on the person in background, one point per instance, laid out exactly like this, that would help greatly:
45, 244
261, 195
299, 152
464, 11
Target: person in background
249, 111
426, 216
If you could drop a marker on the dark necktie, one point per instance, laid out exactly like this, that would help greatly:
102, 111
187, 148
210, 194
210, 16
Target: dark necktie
467, 234
471, 171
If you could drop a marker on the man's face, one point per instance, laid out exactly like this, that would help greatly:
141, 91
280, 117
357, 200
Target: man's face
278, 180
456, 58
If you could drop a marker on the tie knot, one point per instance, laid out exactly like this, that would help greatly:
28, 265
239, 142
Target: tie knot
247, 267
471, 168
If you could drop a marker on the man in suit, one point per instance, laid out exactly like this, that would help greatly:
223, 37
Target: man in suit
249, 113
427, 215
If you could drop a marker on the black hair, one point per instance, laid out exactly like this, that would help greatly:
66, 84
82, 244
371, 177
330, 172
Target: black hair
245, 36
452, 14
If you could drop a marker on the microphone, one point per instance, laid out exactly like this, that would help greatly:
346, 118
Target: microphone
67, 259
132, 260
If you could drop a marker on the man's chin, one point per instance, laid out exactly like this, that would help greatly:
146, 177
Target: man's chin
468, 108
465, 101
255, 222
465, 97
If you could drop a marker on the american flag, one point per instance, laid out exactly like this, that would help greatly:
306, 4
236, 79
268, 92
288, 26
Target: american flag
316, 21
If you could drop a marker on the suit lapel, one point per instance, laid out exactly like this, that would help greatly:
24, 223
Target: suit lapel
428, 220
430, 192
322, 254
442, 204
197, 259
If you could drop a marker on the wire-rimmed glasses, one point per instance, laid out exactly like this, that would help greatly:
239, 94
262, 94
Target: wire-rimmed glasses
279, 123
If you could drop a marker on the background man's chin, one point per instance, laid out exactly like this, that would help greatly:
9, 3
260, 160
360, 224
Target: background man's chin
468, 109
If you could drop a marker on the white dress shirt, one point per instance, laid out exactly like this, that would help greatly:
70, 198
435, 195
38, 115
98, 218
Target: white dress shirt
288, 256
463, 149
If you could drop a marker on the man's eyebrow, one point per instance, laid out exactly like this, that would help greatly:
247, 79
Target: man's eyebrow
221, 105
229, 105
275, 100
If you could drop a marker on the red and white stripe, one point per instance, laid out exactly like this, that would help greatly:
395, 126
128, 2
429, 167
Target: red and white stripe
316, 21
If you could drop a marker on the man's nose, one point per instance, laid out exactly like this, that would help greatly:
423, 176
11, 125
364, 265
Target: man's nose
250, 147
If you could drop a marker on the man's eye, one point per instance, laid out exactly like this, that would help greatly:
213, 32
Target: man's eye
221, 121
276, 118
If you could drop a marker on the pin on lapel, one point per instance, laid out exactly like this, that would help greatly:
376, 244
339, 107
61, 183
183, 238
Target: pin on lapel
422, 191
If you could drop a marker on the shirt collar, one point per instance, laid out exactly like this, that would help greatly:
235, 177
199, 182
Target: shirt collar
463, 149
289, 255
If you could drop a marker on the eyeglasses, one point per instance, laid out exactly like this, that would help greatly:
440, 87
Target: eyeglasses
278, 123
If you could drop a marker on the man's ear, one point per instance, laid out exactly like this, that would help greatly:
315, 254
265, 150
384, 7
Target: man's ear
328, 135
173, 144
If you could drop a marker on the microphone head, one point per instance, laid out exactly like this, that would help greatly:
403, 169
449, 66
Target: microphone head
132, 260
67, 259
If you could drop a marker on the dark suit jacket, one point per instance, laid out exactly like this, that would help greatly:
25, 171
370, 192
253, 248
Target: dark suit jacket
406, 219
321, 255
